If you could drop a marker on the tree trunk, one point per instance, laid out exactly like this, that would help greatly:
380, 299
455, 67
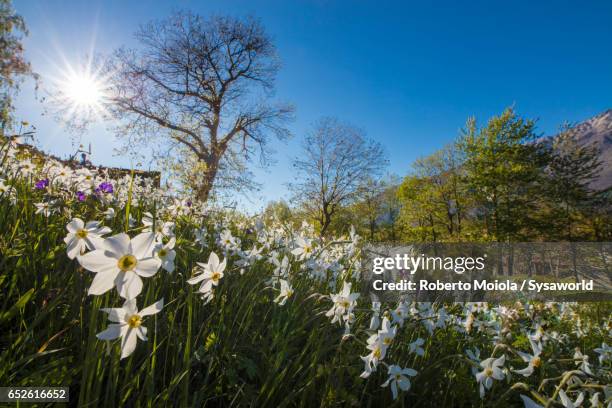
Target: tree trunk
204, 189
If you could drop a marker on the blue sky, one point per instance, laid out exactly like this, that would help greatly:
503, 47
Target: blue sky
409, 73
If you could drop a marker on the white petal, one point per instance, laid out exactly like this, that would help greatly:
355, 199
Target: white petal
74, 248
213, 260
94, 242
394, 389
196, 279
404, 383
171, 243
526, 357
152, 309
168, 266
102, 230
147, 267
116, 315
118, 245
142, 245
409, 371
130, 307
141, 332
97, 261
129, 285
128, 343
112, 332
206, 286
527, 371
102, 282
92, 225
75, 225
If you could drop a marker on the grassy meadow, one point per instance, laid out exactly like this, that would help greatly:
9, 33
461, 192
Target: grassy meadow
282, 323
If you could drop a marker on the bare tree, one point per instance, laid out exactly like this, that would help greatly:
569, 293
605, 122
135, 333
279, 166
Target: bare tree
337, 159
203, 84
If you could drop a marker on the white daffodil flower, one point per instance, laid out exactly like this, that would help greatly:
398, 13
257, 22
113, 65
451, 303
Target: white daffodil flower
594, 400
83, 236
85, 180
344, 302
7, 190
415, 347
166, 254
247, 258
387, 332
109, 214
127, 324
582, 361
200, 236
375, 320
474, 355
281, 269
492, 370
534, 359
121, 262
304, 248
26, 168
210, 275
286, 291
567, 402
45, 208
400, 313
161, 229
227, 240
377, 353
398, 378
605, 353
538, 334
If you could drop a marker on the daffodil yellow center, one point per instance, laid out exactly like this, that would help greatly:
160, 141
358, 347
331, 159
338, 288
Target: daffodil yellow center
387, 341
127, 263
215, 276
289, 293
398, 377
345, 304
536, 361
162, 253
377, 353
488, 372
82, 233
134, 321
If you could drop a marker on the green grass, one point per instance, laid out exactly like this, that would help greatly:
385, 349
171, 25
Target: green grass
239, 349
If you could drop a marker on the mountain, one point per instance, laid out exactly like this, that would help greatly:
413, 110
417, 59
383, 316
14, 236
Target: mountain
597, 131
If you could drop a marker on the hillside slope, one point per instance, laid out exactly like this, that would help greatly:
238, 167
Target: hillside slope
598, 131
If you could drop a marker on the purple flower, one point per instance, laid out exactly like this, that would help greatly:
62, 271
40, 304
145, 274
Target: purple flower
105, 187
81, 196
42, 184
189, 203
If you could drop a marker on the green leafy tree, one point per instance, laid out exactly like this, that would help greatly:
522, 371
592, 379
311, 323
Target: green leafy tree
504, 169
433, 197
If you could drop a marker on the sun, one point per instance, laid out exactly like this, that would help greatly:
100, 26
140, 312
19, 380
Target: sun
84, 91
80, 95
